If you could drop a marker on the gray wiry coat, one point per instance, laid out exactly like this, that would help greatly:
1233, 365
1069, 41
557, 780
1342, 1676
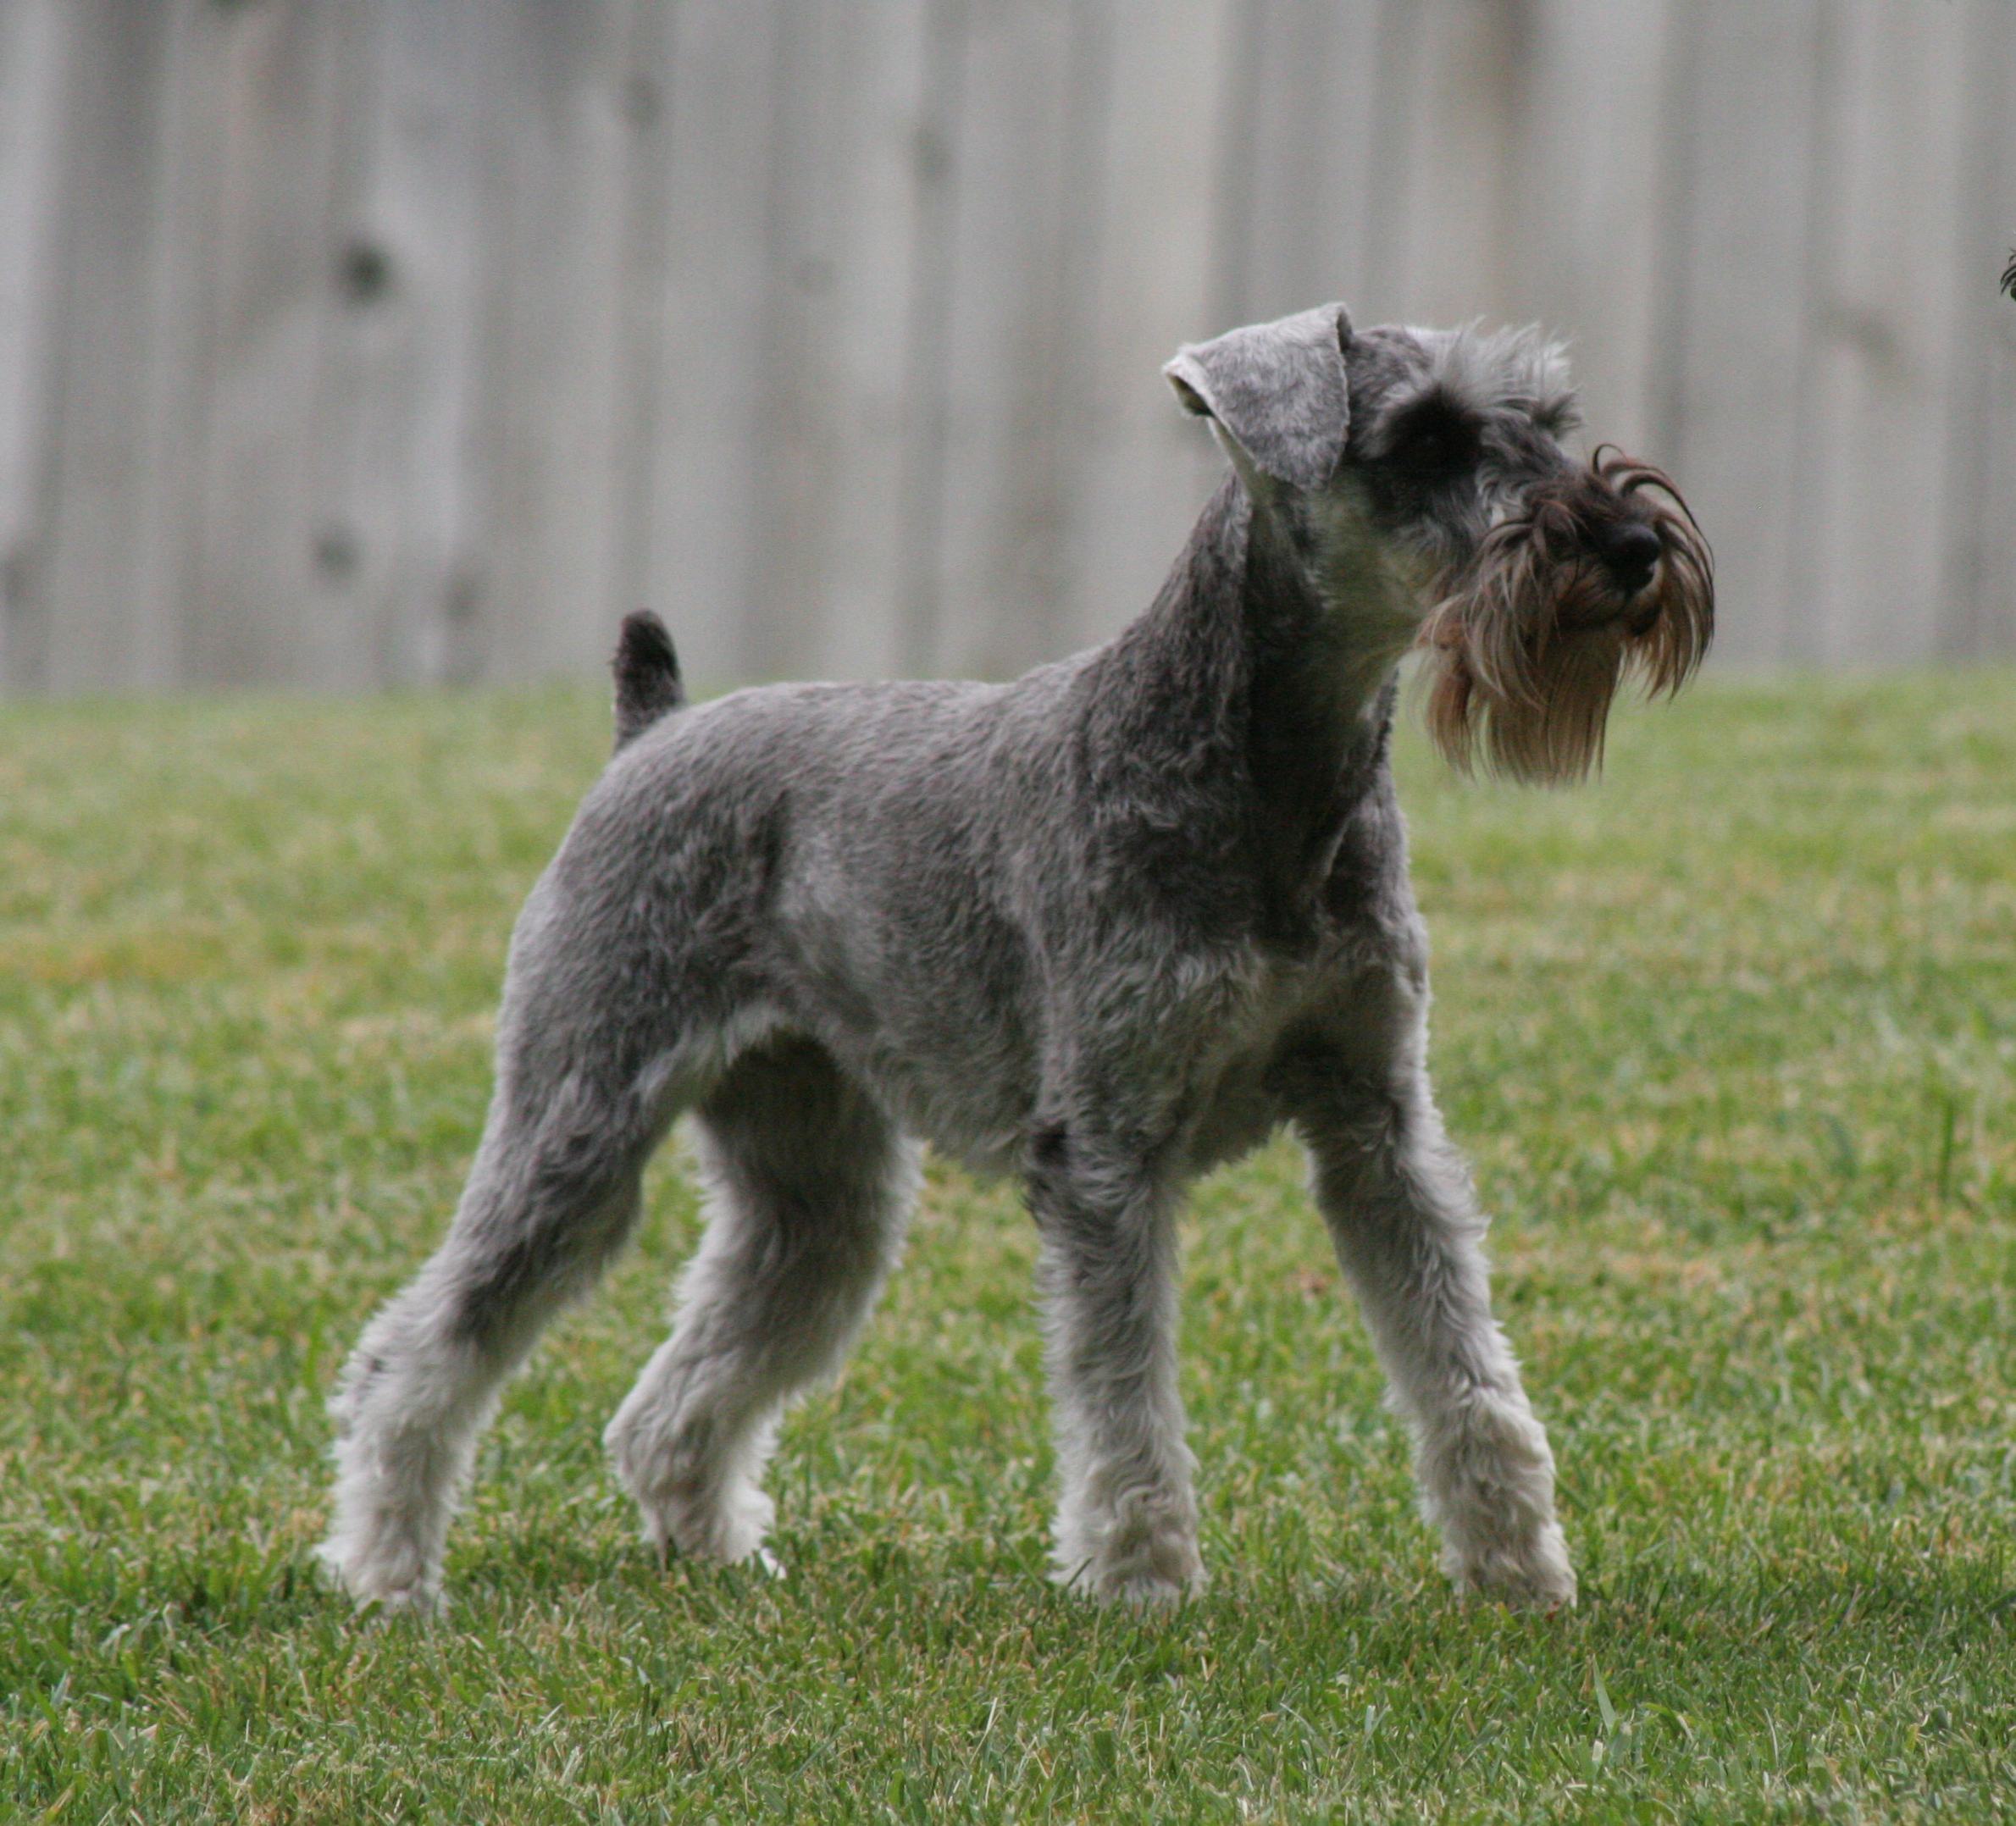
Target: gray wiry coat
1099, 927
1015, 910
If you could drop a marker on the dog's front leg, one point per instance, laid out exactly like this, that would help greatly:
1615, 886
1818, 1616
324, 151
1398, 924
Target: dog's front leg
1126, 1519
1409, 1235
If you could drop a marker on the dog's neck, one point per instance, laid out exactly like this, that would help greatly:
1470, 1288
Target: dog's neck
1324, 627
1245, 685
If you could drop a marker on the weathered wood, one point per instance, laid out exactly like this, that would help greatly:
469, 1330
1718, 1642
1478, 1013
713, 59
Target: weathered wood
1878, 515
1587, 197
264, 551
75, 638
397, 589
714, 147
1451, 118
551, 351
1302, 77
33, 81
922, 482
1978, 597
1025, 222
353, 344
1742, 230
647, 87
844, 191
1146, 466
166, 523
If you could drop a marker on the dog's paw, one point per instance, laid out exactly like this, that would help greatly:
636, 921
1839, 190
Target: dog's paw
1135, 1588
1487, 1480
390, 1584
1530, 1574
729, 1526
1144, 1562
726, 1525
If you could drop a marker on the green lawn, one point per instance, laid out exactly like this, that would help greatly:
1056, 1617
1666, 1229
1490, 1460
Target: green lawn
1731, 1039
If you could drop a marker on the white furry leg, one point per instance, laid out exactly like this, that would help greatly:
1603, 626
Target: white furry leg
407, 1412
1487, 1480
810, 1190
691, 1455
552, 1193
1127, 1516
1408, 1236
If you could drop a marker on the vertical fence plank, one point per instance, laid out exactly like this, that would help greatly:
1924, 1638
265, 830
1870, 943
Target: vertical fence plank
34, 78
922, 483
713, 153
1977, 617
1880, 319
144, 153
1147, 467
1587, 159
1447, 239
842, 226
177, 309
290, 76
110, 201
1297, 229
1026, 218
1729, 340
647, 87
393, 574
551, 350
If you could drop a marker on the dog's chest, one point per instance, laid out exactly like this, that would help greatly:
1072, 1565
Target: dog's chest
1358, 1000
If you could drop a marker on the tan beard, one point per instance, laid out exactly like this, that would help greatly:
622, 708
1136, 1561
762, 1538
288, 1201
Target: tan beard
1530, 642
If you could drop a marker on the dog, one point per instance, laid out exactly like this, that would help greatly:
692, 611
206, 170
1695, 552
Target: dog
1101, 928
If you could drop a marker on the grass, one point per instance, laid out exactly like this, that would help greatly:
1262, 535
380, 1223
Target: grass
1731, 1040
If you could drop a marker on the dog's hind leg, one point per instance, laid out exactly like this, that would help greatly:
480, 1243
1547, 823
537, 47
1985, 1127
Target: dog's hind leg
811, 1186
553, 1193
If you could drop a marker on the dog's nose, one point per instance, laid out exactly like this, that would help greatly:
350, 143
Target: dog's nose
1631, 552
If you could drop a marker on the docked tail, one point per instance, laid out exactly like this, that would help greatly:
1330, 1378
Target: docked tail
647, 676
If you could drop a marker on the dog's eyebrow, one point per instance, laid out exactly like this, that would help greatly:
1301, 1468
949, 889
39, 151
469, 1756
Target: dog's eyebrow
1558, 411
1432, 395
1523, 367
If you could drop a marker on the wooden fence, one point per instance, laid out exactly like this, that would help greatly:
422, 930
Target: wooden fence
355, 342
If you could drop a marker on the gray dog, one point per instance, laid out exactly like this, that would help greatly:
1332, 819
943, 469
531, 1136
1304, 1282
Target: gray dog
1102, 928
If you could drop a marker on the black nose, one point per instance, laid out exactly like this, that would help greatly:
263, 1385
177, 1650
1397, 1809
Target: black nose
1631, 551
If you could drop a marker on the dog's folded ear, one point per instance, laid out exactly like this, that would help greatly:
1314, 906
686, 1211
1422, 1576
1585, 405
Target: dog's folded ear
1278, 390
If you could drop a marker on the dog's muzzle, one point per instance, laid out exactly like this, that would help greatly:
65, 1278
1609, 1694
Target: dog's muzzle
1603, 573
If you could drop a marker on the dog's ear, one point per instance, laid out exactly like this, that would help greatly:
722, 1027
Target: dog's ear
1279, 392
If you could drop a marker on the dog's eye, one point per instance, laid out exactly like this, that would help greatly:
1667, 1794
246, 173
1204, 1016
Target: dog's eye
1433, 442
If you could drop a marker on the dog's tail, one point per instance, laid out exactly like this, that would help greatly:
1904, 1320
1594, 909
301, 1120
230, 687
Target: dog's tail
648, 685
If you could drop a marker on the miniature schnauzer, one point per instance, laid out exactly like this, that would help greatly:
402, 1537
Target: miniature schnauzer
1102, 928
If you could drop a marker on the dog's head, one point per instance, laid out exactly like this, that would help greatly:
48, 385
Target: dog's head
1422, 475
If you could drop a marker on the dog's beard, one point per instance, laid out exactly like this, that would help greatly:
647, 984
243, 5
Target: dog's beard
1530, 642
